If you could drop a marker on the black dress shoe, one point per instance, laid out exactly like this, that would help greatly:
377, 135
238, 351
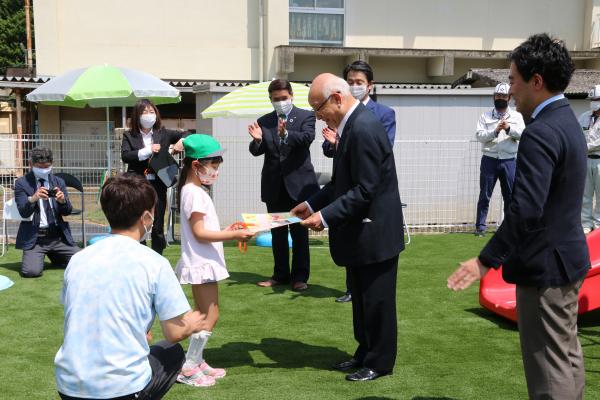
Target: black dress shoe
346, 365
344, 299
364, 374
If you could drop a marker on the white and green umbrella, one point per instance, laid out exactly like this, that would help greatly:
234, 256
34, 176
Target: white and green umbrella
251, 101
103, 86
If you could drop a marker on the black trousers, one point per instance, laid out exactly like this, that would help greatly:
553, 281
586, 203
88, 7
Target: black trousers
158, 230
52, 245
300, 252
166, 360
374, 314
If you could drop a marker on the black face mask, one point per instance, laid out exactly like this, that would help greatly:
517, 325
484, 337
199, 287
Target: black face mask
500, 104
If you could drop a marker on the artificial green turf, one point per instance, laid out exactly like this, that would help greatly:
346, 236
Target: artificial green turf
278, 344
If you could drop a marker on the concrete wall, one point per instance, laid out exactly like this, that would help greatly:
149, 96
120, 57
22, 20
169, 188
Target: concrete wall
192, 39
209, 40
462, 24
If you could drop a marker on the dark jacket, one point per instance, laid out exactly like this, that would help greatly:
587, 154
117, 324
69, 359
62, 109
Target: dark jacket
385, 114
361, 205
26, 186
133, 142
540, 242
287, 163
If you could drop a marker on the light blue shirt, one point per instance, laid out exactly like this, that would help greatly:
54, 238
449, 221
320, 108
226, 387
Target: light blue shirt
543, 104
112, 290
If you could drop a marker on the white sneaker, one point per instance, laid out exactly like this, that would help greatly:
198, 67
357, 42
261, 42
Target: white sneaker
587, 230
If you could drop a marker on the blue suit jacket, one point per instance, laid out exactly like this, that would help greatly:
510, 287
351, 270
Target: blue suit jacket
287, 163
541, 243
27, 235
384, 114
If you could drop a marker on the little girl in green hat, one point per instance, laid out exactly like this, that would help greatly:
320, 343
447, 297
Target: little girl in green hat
202, 262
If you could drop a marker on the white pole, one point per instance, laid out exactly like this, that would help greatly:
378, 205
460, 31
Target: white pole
108, 149
261, 41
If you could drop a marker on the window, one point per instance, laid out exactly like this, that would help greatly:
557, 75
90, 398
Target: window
318, 22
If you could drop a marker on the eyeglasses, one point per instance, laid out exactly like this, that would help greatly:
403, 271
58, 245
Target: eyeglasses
316, 110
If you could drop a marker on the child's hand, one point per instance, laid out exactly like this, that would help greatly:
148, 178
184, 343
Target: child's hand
235, 226
243, 235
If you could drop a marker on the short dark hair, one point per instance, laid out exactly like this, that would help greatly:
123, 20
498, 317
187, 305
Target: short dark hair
124, 199
546, 56
138, 110
280, 84
359, 66
41, 155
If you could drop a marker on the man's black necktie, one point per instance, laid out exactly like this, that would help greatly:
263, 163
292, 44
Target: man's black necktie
47, 209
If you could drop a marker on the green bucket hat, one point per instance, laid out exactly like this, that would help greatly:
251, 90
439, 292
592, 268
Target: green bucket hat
199, 145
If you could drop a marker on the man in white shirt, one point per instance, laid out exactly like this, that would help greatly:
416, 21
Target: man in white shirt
589, 121
499, 131
112, 292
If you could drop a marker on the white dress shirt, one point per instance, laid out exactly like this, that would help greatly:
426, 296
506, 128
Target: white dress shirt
146, 152
43, 218
340, 131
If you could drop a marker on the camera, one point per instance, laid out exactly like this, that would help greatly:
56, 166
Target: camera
51, 192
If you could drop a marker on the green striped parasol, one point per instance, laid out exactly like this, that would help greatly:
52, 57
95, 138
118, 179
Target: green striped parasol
252, 101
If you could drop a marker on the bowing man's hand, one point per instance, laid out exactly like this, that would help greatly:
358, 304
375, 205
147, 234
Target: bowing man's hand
329, 135
314, 222
468, 272
301, 211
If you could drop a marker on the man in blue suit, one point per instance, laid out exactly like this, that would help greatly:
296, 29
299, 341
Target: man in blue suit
359, 76
540, 243
288, 177
42, 201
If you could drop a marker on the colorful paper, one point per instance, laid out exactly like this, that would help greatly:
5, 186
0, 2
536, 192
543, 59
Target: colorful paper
266, 222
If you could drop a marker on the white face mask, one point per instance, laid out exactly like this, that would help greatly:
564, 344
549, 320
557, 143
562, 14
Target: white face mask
282, 107
595, 105
209, 177
358, 91
147, 120
41, 173
148, 231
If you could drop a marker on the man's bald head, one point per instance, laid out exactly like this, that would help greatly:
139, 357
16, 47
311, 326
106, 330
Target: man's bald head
330, 98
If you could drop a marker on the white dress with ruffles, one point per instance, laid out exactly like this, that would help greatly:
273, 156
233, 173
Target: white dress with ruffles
200, 262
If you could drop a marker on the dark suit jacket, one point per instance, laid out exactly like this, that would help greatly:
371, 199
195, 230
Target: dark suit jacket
385, 114
287, 163
133, 142
26, 186
541, 243
361, 205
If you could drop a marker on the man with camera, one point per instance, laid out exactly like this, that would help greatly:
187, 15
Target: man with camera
42, 201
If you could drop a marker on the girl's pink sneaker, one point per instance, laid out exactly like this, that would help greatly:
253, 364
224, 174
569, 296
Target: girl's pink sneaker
215, 373
195, 377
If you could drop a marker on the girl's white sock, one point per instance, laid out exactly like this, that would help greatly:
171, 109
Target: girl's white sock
195, 351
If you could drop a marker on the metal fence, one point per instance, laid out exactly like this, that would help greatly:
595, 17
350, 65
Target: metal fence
438, 179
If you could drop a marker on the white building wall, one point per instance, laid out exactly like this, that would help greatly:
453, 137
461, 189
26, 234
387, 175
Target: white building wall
462, 24
219, 40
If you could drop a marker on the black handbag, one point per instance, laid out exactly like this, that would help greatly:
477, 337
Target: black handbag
165, 167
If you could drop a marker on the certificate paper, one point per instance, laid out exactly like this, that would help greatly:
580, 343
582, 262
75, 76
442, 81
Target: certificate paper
266, 222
